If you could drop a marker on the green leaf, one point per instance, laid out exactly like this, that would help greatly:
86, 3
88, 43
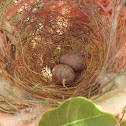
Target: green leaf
77, 112
123, 123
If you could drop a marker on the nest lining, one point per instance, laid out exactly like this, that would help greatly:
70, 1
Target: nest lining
42, 34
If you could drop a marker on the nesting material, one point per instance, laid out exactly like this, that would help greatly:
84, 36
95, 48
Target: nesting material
38, 33
46, 33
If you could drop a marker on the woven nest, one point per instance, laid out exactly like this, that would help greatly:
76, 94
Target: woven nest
37, 34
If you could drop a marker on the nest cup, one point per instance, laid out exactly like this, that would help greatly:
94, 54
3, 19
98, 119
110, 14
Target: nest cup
42, 32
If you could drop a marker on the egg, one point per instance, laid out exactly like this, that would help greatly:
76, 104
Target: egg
62, 72
74, 60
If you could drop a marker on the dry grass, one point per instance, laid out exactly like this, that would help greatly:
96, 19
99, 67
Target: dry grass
34, 38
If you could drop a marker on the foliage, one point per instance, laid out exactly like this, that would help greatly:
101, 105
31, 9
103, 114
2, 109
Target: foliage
123, 123
77, 111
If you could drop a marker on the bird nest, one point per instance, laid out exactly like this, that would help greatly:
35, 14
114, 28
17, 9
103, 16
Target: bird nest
37, 33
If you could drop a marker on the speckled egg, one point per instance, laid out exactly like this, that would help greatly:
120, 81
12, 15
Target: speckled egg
74, 60
62, 71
